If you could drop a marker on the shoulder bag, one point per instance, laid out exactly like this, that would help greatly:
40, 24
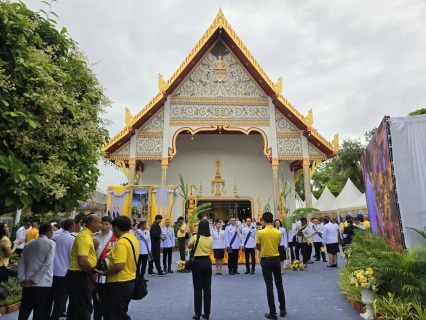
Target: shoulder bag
189, 264
140, 290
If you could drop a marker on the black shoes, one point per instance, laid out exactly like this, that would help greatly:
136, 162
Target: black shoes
151, 274
270, 316
247, 271
145, 279
169, 271
236, 272
283, 313
231, 273
252, 271
195, 317
205, 316
162, 274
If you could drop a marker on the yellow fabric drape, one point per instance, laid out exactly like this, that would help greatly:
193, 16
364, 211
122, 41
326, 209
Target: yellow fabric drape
153, 209
120, 189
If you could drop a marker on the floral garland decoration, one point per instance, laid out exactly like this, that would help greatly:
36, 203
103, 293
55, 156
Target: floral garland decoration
364, 279
297, 265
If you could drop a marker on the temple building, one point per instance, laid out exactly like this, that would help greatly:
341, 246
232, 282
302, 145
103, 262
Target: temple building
222, 123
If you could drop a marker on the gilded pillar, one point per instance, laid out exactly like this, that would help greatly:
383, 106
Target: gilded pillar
164, 167
132, 171
307, 182
274, 165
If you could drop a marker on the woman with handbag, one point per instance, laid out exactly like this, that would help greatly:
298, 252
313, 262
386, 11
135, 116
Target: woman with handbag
202, 269
5, 249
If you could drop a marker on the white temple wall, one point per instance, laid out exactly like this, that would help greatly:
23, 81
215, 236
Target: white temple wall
243, 163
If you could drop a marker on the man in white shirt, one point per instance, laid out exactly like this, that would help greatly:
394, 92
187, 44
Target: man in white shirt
20, 234
144, 247
35, 271
330, 239
249, 237
316, 230
233, 245
107, 241
58, 294
167, 244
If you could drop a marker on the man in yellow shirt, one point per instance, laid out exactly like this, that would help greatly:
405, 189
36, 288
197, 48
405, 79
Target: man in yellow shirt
81, 270
267, 242
181, 235
121, 271
32, 233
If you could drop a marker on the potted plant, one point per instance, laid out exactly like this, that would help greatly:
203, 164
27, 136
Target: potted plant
13, 301
366, 282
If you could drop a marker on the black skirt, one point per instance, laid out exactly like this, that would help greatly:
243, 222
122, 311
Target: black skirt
282, 253
333, 248
219, 253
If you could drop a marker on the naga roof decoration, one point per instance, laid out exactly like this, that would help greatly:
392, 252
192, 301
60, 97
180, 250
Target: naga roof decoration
221, 29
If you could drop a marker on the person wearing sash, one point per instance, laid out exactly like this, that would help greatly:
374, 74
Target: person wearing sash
107, 241
282, 247
248, 233
121, 272
142, 235
218, 235
233, 245
316, 230
167, 244
202, 270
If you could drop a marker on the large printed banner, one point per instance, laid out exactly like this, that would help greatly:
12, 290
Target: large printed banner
383, 210
118, 201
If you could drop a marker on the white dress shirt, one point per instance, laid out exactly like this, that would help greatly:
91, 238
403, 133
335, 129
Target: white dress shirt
218, 238
315, 236
329, 233
20, 234
291, 232
229, 235
251, 233
36, 262
283, 242
61, 263
103, 239
169, 234
142, 246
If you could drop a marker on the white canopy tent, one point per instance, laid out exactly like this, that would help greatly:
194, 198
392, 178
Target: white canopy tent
359, 206
303, 203
325, 200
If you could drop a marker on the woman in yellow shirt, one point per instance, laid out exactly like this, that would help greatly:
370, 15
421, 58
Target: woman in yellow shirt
202, 269
5, 249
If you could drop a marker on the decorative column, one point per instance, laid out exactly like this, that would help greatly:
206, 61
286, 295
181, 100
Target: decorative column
274, 165
307, 182
140, 177
132, 171
164, 167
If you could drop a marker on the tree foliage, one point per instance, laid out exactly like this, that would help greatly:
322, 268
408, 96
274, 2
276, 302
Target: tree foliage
51, 130
418, 112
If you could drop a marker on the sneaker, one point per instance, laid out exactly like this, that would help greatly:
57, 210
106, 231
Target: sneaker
270, 316
283, 313
162, 274
152, 274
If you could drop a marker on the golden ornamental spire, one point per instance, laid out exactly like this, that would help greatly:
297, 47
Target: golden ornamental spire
259, 208
162, 83
127, 117
309, 118
278, 87
335, 143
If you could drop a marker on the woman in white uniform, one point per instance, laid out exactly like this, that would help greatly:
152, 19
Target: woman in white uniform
218, 235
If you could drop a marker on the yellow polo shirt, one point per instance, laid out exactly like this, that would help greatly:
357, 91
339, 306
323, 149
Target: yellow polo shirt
31, 235
269, 239
181, 234
83, 246
122, 252
4, 244
203, 247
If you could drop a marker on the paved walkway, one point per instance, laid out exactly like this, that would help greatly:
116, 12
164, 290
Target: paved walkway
310, 295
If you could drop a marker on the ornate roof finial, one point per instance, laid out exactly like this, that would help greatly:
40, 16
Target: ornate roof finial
128, 117
309, 118
335, 143
161, 83
220, 13
278, 87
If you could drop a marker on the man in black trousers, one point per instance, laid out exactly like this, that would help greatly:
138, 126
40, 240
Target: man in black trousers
267, 241
156, 237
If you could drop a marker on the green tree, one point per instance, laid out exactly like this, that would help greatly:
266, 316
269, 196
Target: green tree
51, 130
418, 112
368, 135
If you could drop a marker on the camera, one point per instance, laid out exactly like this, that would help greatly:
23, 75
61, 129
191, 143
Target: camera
102, 265
300, 234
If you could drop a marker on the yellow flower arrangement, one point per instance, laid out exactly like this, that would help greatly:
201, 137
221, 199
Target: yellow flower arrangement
346, 254
364, 279
181, 267
297, 265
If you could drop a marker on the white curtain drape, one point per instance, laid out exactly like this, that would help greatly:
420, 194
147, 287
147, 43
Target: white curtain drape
409, 156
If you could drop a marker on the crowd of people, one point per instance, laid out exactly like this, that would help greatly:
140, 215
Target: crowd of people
92, 267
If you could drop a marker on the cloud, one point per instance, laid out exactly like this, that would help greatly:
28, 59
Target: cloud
352, 62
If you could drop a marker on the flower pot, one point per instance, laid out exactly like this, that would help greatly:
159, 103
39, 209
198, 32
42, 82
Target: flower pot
367, 298
3, 310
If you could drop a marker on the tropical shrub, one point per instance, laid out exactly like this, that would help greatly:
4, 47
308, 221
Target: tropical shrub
15, 292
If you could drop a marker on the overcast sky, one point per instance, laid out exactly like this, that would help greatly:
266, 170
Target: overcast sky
352, 62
